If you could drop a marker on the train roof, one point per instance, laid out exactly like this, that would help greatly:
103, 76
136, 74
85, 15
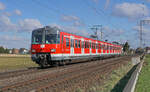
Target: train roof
56, 28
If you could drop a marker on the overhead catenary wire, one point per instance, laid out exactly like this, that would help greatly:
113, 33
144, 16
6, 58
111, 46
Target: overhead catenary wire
100, 12
57, 11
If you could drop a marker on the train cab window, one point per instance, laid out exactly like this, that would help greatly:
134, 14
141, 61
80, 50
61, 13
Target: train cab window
67, 42
72, 43
76, 44
79, 43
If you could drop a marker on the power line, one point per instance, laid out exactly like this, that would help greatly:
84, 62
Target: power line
53, 9
96, 28
142, 22
21, 5
99, 13
47, 7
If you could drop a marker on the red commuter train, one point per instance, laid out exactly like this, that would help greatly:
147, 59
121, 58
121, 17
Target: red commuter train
51, 45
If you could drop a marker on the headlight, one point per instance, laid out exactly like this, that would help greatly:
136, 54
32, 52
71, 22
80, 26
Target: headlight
42, 46
53, 50
33, 50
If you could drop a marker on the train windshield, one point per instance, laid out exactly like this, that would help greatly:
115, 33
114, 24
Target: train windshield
49, 36
37, 37
52, 37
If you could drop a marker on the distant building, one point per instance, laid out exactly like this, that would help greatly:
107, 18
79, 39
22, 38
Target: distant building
10, 51
148, 50
15, 51
23, 51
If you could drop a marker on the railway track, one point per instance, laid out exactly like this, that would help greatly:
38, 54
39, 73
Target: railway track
61, 79
16, 73
11, 74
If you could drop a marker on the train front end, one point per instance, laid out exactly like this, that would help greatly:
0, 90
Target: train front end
45, 44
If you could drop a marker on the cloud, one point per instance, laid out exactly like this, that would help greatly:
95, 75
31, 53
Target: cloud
27, 25
147, 0
6, 25
2, 6
112, 32
130, 10
17, 12
107, 4
69, 18
7, 13
76, 21
95, 1
14, 41
72, 29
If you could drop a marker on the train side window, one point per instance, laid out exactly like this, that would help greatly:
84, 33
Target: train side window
67, 42
62, 39
99, 46
87, 44
76, 44
104, 46
93, 45
79, 43
107, 47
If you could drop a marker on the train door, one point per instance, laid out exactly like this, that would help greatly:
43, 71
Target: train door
62, 46
101, 48
96, 48
82, 46
66, 45
90, 48
72, 47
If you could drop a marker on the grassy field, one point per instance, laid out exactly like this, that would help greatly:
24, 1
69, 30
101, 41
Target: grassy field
143, 83
13, 63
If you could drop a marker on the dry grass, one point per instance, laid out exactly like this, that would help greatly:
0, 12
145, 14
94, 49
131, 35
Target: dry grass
13, 63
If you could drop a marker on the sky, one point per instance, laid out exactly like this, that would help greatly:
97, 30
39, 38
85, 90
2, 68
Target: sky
119, 19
